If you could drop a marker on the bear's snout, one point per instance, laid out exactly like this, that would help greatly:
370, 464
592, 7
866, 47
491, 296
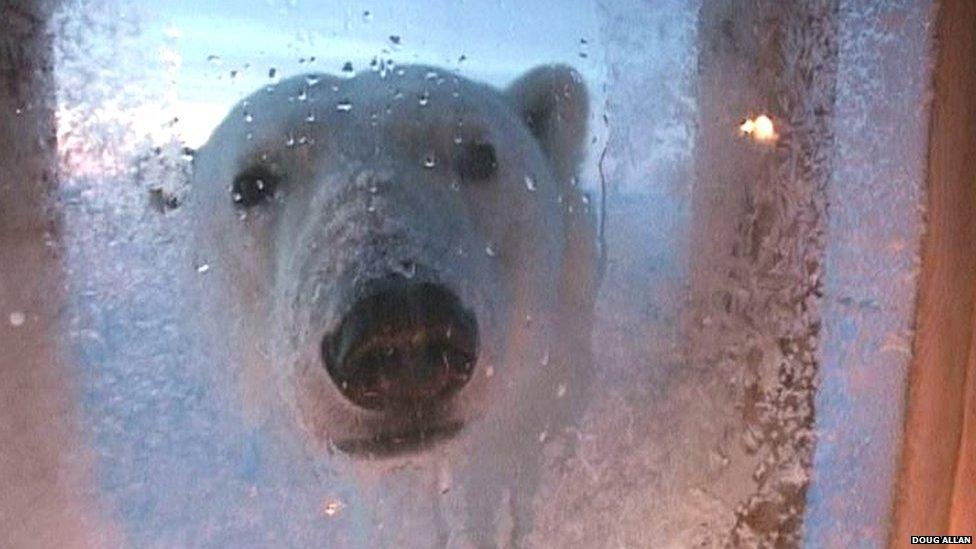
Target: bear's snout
403, 344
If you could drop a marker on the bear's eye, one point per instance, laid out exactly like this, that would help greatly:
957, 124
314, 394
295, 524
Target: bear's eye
253, 186
476, 161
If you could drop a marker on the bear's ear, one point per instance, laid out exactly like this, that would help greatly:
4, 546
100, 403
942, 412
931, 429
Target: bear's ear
553, 102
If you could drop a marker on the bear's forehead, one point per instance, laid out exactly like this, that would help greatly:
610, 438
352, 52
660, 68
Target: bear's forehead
414, 107
409, 96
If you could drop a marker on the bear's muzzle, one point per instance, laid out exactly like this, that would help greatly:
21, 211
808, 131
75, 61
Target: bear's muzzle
405, 344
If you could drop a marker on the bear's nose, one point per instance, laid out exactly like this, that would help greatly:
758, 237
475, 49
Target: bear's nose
405, 344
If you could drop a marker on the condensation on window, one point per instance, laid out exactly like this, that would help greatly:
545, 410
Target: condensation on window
604, 219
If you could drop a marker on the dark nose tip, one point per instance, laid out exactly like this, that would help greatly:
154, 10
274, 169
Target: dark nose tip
404, 344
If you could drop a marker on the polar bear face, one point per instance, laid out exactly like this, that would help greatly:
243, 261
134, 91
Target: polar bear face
404, 253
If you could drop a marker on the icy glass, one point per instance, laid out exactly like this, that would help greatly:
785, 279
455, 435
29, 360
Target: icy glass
445, 273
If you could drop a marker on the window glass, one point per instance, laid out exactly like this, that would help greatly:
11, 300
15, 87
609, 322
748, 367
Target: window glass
439, 273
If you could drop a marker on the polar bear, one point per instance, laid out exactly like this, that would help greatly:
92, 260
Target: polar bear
406, 257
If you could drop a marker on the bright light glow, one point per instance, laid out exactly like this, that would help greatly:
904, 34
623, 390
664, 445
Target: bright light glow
760, 128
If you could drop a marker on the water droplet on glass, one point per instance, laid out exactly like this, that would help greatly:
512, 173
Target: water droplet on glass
443, 479
530, 183
543, 436
490, 251
203, 268
248, 118
332, 507
424, 99
272, 72
545, 358
429, 161
561, 390
213, 58
462, 58
310, 117
312, 80
290, 142
303, 95
17, 319
430, 75
367, 16
347, 66
344, 106
458, 140
719, 457
489, 372
408, 269
395, 39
